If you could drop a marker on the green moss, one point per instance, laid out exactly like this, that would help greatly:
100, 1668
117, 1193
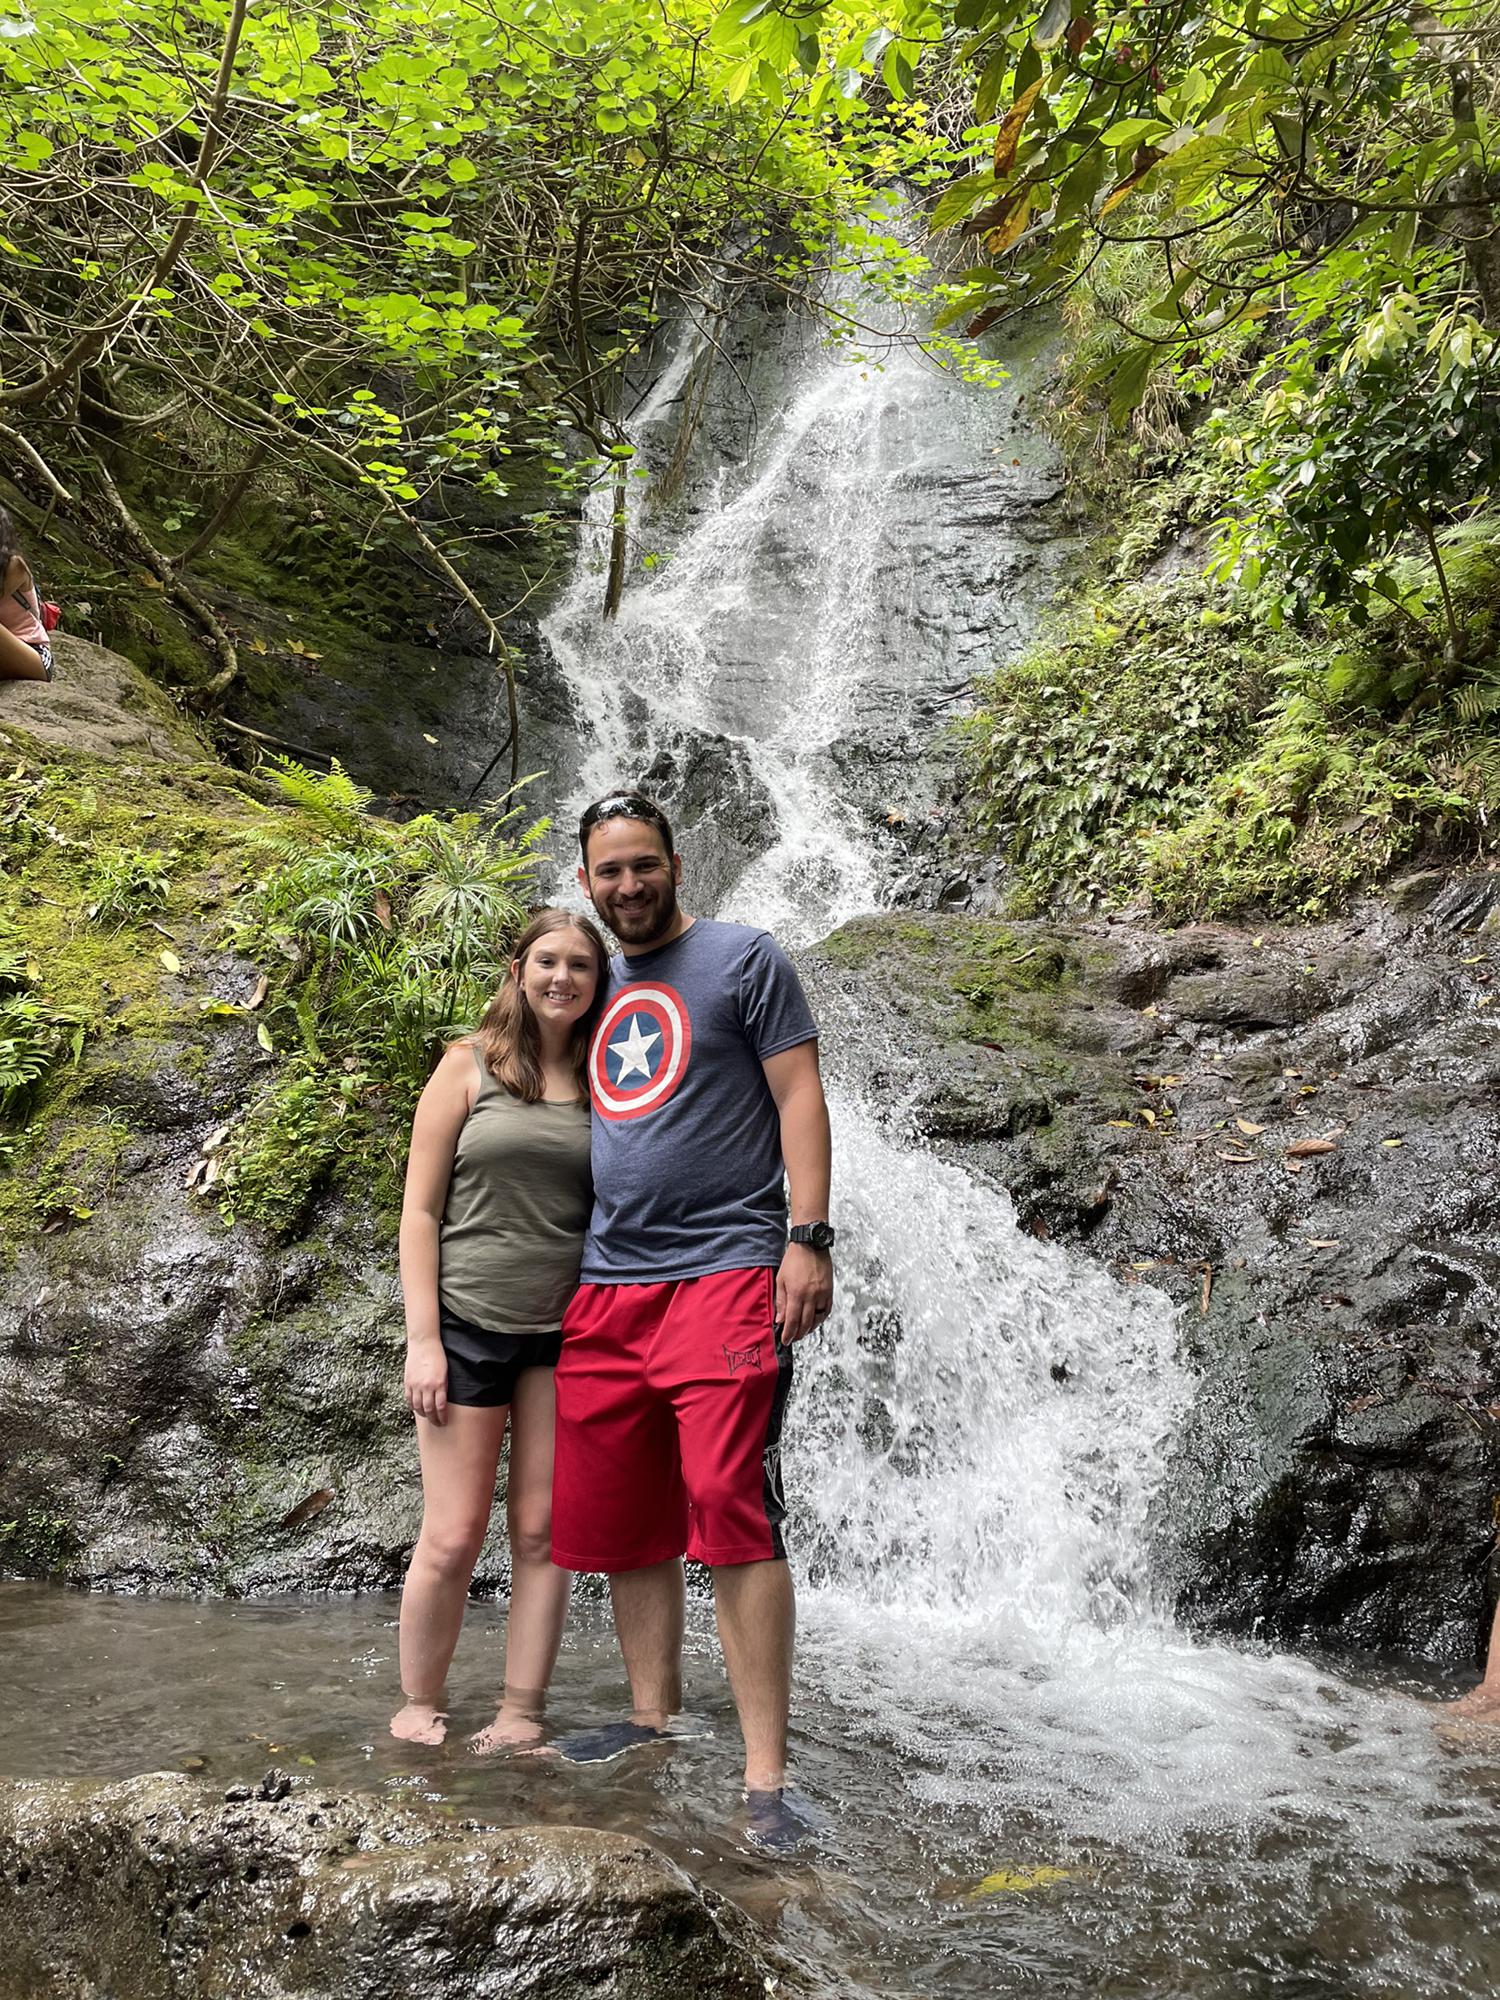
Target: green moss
288, 1145
60, 1171
975, 979
1164, 745
68, 818
38, 1543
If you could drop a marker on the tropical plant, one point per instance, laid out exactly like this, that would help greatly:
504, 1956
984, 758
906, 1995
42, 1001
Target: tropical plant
394, 936
289, 1142
1356, 454
33, 1036
128, 882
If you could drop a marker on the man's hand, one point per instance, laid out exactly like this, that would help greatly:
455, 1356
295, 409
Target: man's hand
426, 1385
804, 1291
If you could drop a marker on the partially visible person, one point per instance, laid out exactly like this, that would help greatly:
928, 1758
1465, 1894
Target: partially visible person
1482, 1703
25, 649
498, 1193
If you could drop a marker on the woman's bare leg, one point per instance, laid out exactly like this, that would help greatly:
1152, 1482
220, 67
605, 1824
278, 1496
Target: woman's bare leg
538, 1592
459, 1457
18, 661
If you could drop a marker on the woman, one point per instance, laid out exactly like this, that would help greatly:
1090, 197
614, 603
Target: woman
25, 649
497, 1200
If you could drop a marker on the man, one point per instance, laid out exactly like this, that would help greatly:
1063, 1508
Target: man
677, 1349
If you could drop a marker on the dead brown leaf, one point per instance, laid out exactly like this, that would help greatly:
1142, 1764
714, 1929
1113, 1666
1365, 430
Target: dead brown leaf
1009, 229
1251, 1131
1008, 138
257, 998
306, 1510
1304, 1149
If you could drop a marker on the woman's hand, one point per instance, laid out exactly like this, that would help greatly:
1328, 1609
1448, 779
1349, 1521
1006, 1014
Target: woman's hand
426, 1385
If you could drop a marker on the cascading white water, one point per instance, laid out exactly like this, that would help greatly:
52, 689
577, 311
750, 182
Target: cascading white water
978, 1435
793, 600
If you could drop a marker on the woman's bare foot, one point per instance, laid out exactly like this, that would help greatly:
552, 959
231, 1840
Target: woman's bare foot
1480, 1704
508, 1731
419, 1722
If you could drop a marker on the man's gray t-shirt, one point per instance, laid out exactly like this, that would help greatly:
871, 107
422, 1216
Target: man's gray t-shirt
688, 1175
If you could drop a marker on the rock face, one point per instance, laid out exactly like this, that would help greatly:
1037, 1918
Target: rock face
162, 1889
823, 559
1293, 1135
182, 1405
98, 702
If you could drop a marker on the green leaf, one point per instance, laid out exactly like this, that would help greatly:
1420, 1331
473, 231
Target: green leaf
1052, 23
1129, 383
962, 199
1132, 132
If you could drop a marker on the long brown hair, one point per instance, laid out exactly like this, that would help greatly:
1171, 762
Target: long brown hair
508, 1038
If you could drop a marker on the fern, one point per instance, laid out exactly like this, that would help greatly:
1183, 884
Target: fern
1478, 701
338, 805
395, 935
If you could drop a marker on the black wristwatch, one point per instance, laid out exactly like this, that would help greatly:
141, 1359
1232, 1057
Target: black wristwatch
814, 1235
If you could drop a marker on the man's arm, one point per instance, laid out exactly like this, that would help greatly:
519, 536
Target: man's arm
804, 1284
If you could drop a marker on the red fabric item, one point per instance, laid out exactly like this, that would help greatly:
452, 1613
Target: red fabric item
51, 615
669, 1407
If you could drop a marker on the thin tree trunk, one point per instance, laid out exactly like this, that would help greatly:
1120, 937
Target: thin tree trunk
614, 589
1455, 636
172, 584
238, 487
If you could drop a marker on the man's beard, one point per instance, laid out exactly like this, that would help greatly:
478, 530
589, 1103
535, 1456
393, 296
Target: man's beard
645, 921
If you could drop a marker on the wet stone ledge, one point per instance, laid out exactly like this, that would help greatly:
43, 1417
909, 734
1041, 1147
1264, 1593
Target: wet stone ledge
165, 1888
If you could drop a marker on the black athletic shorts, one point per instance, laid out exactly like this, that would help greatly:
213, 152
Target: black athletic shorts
482, 1367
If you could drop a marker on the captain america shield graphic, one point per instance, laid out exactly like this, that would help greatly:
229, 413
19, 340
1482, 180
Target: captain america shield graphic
640, 1051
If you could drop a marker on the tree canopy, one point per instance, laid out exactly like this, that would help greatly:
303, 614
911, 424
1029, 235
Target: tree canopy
394, 241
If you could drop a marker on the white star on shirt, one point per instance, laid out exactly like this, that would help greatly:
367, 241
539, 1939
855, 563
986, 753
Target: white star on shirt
632, 1051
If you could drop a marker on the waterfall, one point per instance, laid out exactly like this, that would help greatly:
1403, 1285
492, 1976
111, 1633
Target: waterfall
978, 1436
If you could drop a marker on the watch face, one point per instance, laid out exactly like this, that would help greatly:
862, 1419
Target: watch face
821, 1236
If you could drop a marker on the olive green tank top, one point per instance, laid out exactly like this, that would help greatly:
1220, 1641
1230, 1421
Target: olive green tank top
517, 1208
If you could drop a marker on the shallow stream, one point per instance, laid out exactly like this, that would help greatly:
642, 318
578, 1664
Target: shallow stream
1303, 1836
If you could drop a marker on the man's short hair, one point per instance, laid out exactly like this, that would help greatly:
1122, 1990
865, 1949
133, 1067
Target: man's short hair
625, 805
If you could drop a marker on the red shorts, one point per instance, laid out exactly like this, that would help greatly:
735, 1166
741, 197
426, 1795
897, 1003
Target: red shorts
669, 1406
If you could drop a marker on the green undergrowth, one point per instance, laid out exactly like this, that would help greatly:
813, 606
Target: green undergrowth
112, 875
39, 1542
1165, 744
156, 917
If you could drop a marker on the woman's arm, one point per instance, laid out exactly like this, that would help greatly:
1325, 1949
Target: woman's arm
441, 1111
21, 584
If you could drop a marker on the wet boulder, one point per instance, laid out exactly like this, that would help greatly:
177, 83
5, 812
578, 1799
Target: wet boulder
162, 1888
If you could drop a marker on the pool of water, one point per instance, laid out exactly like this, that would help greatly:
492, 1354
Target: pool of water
1322, 1839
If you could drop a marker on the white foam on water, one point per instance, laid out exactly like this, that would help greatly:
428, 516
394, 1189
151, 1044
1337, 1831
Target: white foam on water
758, 623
